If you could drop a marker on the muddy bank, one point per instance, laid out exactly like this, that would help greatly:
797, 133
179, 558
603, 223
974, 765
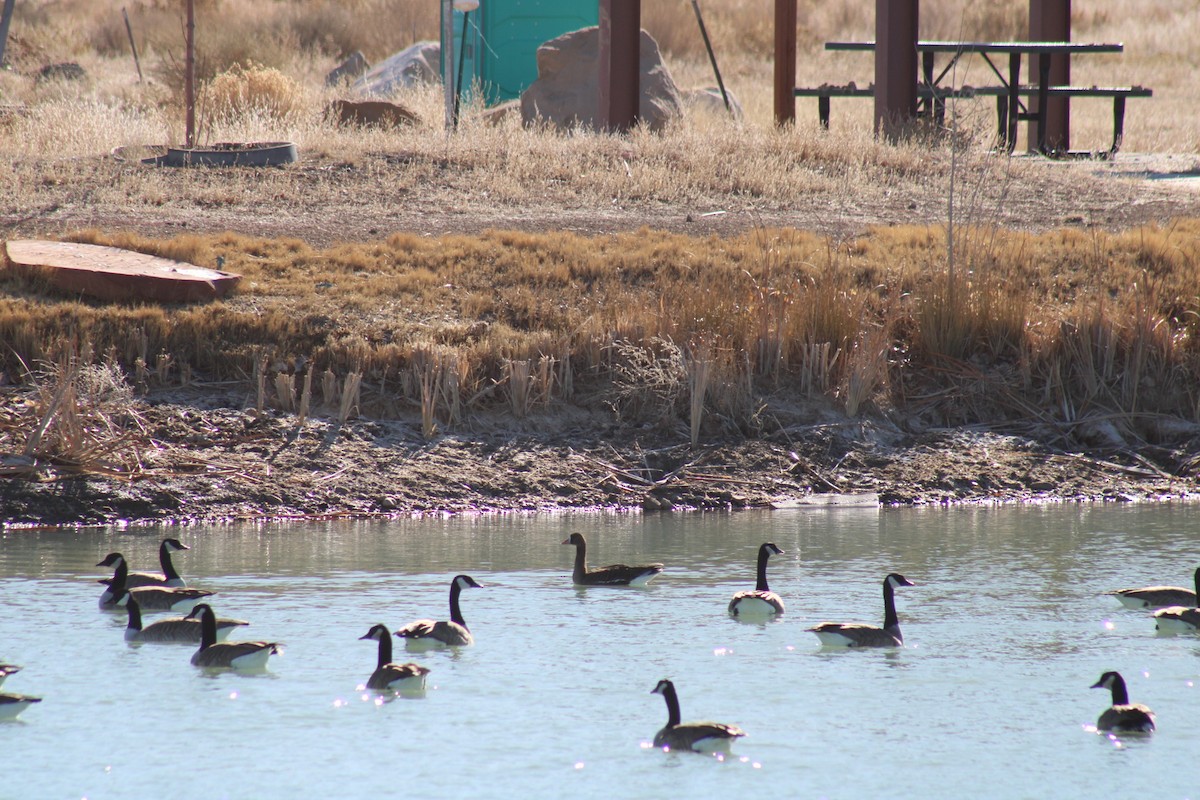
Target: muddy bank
207, 459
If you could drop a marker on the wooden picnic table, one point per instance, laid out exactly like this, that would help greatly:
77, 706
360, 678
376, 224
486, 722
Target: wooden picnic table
1044, 51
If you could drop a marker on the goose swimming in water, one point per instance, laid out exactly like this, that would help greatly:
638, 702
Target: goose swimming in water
424, 634
1122, 716
701, 737
1177, 619
762, 601
13, 704
1159, 596
156, 598
227, 655
853, 634
615, 575
169, 577
176, 630
388, 675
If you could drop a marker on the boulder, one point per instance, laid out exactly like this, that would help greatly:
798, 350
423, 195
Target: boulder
418, 64
364, 113
709, 99
566, 91
353, 67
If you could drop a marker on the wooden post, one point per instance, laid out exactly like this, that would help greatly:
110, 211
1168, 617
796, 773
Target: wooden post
137, 62
1050, 21
5, 19
785, 62
620, 64
448, 63
189, 74
895, 65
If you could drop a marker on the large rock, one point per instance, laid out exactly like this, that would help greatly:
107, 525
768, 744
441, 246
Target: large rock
350, 69
566, 91
412, 66
709, 99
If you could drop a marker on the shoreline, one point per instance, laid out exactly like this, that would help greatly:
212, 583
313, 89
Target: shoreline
221, 465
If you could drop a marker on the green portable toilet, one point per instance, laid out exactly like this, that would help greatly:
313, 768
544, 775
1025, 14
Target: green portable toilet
499, 51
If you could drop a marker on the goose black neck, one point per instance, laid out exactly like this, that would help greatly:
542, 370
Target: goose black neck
208, 628
135, 614
455, 611
385, 648
580, 559
672, 699
164, 560
890, 619
1120, 695
120, 578
763, 554
1196, 579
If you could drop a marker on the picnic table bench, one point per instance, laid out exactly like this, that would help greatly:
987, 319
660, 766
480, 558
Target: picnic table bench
1011, 95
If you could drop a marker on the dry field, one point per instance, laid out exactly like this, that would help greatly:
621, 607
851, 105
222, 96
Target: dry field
818, 306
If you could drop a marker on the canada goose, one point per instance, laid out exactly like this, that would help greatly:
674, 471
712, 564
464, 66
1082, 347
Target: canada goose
156, 598
702, 737
13, 704
1123, 716
232, 655
388, 675
762, 601
1159, 596
6, 670
181, 630
1177, 619
855, 634
424, 634
169, 576
615, 575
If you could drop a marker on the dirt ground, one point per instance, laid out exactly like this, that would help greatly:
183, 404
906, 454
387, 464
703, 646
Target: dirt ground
211, 457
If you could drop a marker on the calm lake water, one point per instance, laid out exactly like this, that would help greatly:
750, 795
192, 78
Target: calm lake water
1005, 631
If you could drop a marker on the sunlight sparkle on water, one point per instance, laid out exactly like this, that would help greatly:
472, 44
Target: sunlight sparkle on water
233, 695
578, 765
1109, 626
723, 651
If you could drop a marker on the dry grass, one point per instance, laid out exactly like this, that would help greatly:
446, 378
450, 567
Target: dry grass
668, 329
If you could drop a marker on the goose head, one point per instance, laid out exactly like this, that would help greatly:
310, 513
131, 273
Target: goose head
466, 582
174, 544
575, 539
896, 579
377, 633
112, 560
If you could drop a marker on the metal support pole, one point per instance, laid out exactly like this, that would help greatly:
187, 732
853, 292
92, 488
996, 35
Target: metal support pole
189, 75
448, 62
785, 62
620, 67
1050, 21
462, 56
895, 65
5, 19
711, 55
137, 62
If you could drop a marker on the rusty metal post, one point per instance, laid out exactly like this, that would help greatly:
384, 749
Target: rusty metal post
5, 19
1050, 21
785, 61
189, 74
620, 64
895, 65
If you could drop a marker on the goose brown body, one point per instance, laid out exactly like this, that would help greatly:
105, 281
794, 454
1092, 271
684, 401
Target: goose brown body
227, 655
151, 598
761, 601
1122, 716
13, 704
701, 737
176, 630
612, 575
427, 633
1155, 597
389, 675
854, 634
